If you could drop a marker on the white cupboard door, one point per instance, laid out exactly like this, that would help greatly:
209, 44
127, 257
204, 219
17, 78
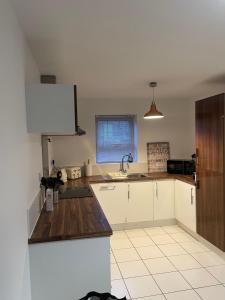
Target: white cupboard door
140, 202
185, 204
179, 201
190, 213
113, 198
164, 200
50, 108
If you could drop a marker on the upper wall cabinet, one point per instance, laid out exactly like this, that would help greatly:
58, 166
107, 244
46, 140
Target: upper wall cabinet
51, 109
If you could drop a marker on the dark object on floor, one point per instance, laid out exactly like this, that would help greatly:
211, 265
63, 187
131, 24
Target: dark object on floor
98, 296
81, 192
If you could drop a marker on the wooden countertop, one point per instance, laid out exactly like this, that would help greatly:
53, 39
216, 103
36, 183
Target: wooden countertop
152, 176
79, 218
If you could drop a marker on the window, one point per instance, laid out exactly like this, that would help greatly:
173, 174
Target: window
115, 137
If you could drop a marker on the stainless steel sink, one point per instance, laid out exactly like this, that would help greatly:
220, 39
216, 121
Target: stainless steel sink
120, 175
136, 175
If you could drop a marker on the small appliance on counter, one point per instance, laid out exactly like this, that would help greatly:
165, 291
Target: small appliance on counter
63, 173
73, 172
181, 166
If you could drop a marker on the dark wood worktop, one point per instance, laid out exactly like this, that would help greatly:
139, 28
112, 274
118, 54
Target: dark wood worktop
150, 176
79, 218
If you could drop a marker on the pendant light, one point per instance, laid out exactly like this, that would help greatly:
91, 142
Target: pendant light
153, 113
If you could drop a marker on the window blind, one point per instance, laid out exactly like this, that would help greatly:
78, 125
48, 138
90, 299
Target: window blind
115, 137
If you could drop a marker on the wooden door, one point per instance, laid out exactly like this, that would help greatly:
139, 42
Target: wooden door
210, 169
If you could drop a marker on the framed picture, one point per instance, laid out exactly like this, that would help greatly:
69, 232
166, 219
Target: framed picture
157, 155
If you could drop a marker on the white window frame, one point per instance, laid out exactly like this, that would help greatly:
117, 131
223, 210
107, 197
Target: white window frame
131, 118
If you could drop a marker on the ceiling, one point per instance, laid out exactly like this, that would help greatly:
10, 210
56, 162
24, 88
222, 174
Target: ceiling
113, 48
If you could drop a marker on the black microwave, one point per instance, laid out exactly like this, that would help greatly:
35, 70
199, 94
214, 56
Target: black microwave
181, 166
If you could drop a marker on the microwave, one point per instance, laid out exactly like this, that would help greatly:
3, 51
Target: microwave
181, 166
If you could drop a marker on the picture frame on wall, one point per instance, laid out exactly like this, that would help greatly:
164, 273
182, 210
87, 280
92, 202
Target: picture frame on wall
157, 155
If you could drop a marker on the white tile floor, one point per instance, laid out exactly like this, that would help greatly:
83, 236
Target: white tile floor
164, 263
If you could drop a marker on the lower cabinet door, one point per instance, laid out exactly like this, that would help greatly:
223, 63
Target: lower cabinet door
190, 213
185, 204
140, 202
113, 198
179, 201
164, 207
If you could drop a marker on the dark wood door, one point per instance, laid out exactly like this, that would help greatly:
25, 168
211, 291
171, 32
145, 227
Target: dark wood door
210, 169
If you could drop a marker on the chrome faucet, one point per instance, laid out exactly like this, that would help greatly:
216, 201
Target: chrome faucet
129, 160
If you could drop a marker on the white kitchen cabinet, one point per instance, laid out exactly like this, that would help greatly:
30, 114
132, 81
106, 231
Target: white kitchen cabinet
185, 204
164, 207
51, 108
140, 202
159, 200
69, 269
113, 198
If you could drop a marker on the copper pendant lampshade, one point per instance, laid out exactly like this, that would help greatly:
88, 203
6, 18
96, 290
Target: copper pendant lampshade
153, 113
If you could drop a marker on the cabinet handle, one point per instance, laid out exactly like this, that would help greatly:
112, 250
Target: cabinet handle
107, 188
191, 196
157, 190
128, 192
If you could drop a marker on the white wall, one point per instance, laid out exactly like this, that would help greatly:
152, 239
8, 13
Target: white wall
177, 127
20, 157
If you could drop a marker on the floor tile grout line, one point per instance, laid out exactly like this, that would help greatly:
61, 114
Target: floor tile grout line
153, 276
193, 269
191, 254
174, 292
176, 270
149, 296
200, 266
127, 288
165, 256
137, 253
143, 276
154, 280
212, 274
135, 276
173, 254
202, 288
179, 271
124, 281
140, 246
159, 272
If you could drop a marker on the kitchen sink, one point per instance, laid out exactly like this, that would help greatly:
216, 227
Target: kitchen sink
118, 175
121, 175
136, 175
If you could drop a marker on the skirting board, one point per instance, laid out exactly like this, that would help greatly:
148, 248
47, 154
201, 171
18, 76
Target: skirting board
199, 238
136, 225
